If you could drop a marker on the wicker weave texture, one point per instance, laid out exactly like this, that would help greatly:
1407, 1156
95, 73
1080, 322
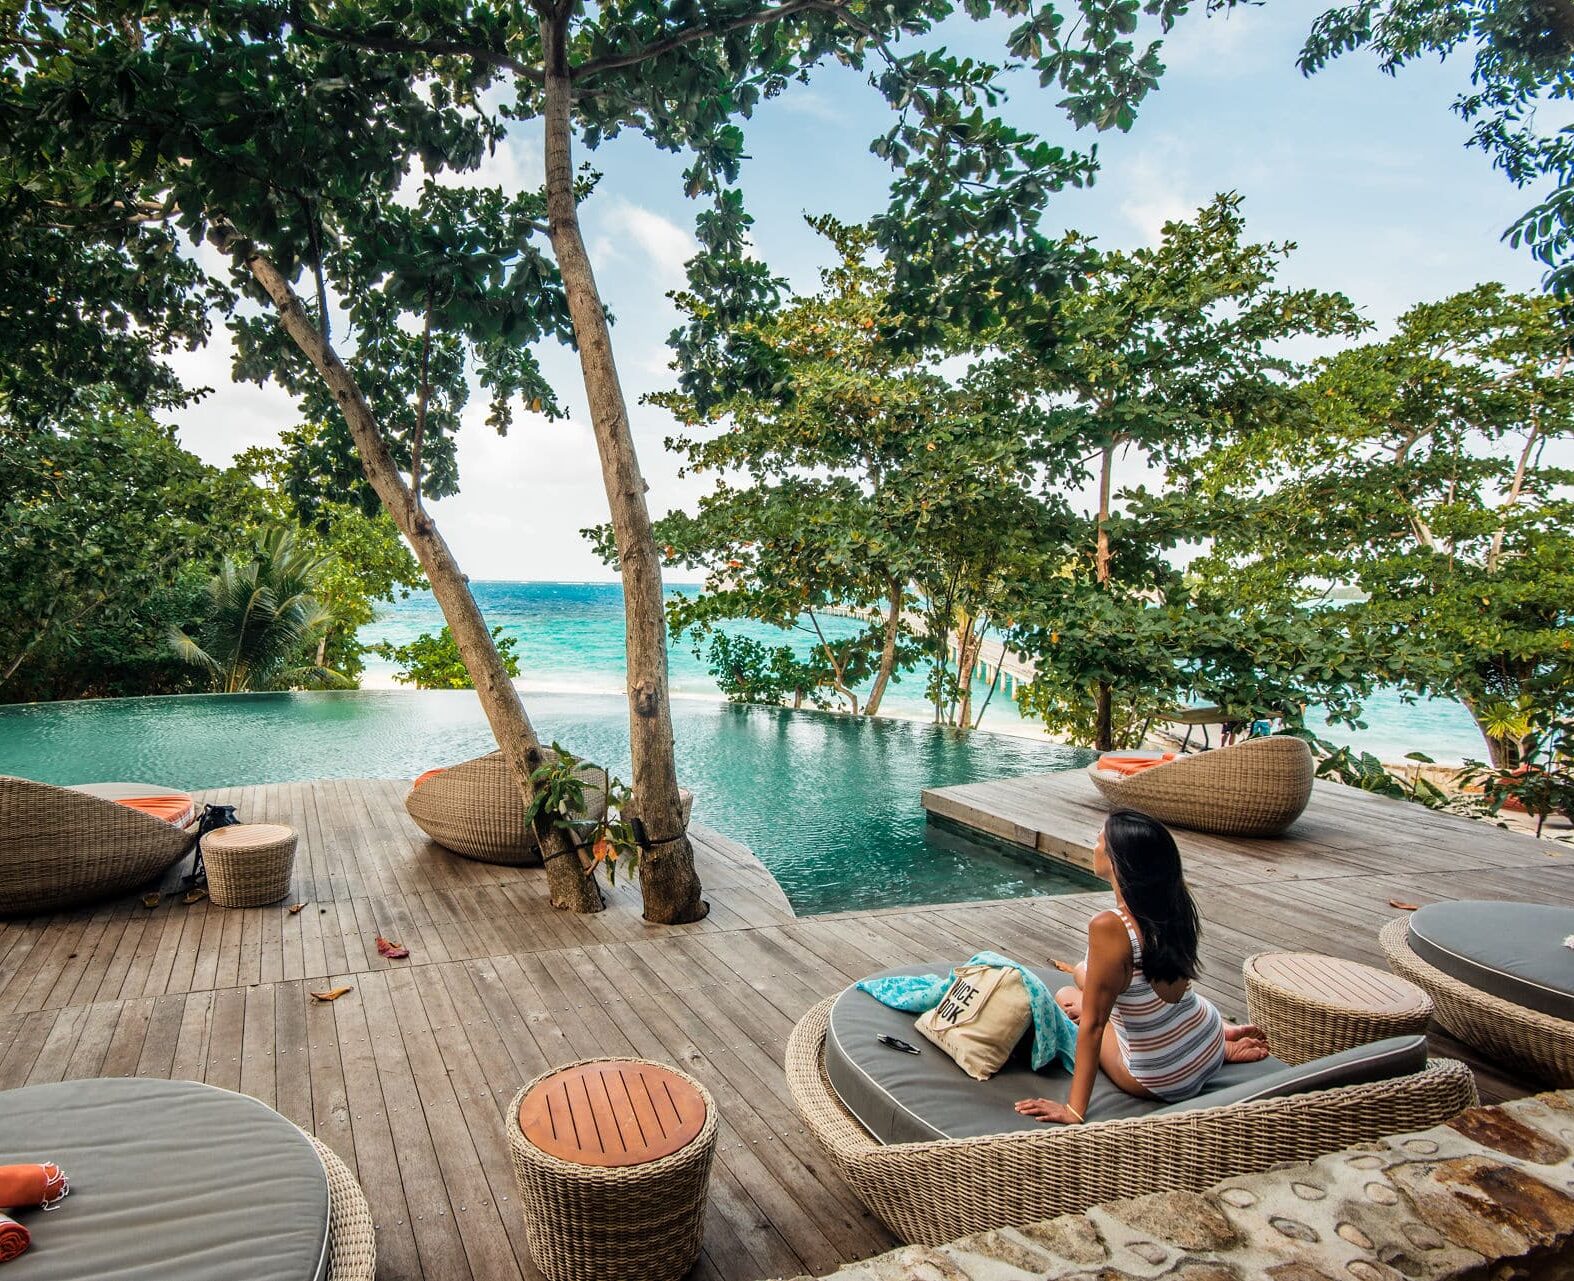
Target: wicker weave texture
352, 1239
475, 810
1255, 788
60, 847
249, 864
614, 1223
929, 1193
1302, 1025
1537, 1044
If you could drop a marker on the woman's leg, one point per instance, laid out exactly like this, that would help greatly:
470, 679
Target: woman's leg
1114, 1067
1070, 1000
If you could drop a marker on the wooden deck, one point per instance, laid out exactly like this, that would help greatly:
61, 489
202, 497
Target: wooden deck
407, 1076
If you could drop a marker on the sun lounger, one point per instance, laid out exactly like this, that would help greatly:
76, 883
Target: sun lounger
184, 1182
61, 846
1500, 977
1255, 788
937, 1155
474, 809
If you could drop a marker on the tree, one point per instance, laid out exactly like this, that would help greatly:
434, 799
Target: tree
748, 671
282, 134
879, 486
1524, 68
262, 622
1162, 351
434, 662
100, 515
288, 152
1420, 476
364, 558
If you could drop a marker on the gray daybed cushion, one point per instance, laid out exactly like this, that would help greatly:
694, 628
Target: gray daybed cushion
170, 1181
1511, 950
914, 1098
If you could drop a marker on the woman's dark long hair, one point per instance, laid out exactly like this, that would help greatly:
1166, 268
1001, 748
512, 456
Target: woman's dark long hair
1148, 870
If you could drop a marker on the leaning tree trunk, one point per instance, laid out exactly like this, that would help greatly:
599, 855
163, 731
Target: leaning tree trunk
567, 878
893, 626
668, 883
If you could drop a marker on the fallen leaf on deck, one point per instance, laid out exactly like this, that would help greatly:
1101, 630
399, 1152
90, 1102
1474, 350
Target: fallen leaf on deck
295, 908
332, 994
151, 900
1064, 968
194, 896
393, 951
1404, 907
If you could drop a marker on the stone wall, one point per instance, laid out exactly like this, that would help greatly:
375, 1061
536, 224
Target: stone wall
1490, 1195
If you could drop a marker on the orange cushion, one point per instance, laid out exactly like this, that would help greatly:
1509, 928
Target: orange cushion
1133, 764
431, 773
175, 808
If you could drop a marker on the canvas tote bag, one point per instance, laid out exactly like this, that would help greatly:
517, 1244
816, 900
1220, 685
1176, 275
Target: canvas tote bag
980, 1019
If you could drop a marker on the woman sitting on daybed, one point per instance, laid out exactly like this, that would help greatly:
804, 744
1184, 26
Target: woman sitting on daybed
1136, 980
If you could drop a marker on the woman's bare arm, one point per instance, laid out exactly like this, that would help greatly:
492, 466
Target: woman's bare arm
1106, 977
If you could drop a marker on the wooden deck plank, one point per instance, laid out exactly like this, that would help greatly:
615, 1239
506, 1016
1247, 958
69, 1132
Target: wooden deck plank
408, 1076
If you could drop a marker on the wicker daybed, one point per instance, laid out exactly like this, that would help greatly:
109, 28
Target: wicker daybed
1501, 1024
60, 847
475, 810
1255, 788
934, 1191
157, 1189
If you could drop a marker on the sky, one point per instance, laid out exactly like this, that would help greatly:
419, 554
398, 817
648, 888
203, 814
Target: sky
1368, 174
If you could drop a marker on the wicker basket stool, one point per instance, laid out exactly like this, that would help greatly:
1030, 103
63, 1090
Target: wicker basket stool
1311, 1005
612, 1158
249, 864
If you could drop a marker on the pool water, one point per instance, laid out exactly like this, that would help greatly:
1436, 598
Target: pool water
830, 804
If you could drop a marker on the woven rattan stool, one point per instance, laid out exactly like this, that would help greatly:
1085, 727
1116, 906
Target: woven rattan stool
612, 1158
249, 864
1311, 1005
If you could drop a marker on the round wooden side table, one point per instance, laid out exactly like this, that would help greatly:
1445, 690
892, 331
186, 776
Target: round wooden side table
612, 1158
248, 864
1311, 1005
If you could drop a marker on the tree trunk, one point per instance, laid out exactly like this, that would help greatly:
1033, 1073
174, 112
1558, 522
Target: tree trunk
969, 645
570, 885
667, 880
893, 624
1103, 731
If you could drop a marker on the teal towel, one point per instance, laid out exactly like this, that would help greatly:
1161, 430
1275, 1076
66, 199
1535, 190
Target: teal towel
1054, 1035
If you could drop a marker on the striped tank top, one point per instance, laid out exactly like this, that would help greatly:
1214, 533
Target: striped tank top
1170, 1047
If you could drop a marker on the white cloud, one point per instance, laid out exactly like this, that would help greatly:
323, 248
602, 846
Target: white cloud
631, 233
1157, 190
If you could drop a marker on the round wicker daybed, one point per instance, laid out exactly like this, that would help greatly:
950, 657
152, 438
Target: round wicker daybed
1255, 788
186, 1182
60, 846
931, 1191
1514, 949
475, 810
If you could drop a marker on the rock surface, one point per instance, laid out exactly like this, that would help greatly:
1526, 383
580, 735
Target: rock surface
1494, 1185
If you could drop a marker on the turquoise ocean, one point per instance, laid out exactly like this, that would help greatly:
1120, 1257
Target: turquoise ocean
570, 639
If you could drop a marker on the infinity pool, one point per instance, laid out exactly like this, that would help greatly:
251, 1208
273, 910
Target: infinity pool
829, 804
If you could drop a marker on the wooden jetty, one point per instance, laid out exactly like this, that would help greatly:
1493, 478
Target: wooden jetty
407, 1076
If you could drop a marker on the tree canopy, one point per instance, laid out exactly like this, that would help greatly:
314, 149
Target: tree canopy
1420, 476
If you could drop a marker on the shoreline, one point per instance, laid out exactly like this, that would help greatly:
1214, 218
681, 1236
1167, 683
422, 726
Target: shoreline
384, 680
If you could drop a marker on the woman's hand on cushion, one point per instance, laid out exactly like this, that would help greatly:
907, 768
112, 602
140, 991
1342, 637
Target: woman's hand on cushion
1047, 1110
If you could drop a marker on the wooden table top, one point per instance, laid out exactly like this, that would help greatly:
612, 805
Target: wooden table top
1335, 981
611, 1113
